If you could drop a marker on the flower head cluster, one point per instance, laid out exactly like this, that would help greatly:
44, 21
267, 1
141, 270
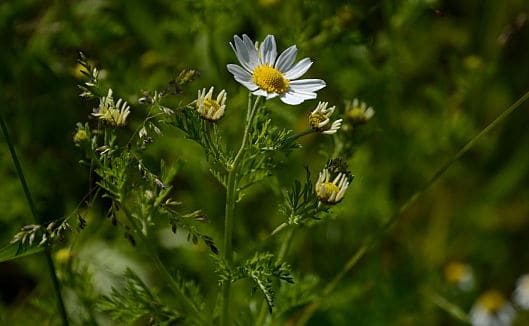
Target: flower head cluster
492, 309
114, 114
333, 182
319, 119
459, 274
521, 292
357, 112
208, 108
266, 74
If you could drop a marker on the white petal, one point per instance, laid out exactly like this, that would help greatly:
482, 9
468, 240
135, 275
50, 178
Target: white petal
242, 76
299, 69
268, 50
307, 85
241, 52
260, 92
303, 94
253, 60
286, 59
271, 95
292, 98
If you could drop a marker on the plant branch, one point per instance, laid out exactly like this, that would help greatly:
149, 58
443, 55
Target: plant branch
231, 194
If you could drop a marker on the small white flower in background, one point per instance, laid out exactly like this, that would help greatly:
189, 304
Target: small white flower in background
460, 274
521, 293
265, 74
358, 112
114, 114
331, 192
319, 119
209, 109
492, 309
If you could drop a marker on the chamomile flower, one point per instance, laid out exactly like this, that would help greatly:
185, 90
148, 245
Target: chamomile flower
521, 293
492, 309
459, 274
319, 119
114, 114
208, 108
332, 192
266, 74
357, 112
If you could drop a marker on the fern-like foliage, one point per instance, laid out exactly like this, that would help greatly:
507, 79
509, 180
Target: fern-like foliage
300, 203
136, 302
262, 269
268, 145
207, 135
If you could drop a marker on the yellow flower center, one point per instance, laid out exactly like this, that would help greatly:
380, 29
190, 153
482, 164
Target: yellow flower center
326, 189
357, 115
455, 272
270, 79
492, 301
315, 120
208, 104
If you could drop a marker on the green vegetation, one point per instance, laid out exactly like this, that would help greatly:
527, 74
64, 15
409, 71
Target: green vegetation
143, 210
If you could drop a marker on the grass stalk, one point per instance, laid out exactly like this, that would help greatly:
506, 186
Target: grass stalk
47, 253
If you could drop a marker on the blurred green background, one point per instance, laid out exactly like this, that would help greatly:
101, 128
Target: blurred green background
436, 72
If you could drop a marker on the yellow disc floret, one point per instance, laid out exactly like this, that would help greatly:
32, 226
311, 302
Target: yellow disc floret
211, 104
492, 301
325, 190
270, 79
319, 121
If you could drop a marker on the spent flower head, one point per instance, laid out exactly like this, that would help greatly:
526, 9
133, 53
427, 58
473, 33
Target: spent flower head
208, 108
358, 113
113, 114
521, 293
492, 309
266, 74
320, 121
333, 182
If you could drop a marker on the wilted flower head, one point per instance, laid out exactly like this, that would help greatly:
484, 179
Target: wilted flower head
319, 119
521, 293
209, 109
114, 114
357, 112
265, 74
492, 309
460, 274
332, 192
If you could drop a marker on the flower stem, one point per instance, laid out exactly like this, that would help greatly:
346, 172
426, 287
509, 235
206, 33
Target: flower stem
47, 252
231, 195
313, 306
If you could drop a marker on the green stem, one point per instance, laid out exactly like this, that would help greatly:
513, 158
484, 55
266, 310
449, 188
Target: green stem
231, 194
312, 307
47, 253
300, 134
187, 304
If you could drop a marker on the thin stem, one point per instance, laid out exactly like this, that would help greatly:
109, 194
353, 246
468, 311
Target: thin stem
187, 304
47, 253
312, 307
231, 194
300, 134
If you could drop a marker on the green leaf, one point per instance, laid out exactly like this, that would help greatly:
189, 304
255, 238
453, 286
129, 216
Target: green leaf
16, 250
